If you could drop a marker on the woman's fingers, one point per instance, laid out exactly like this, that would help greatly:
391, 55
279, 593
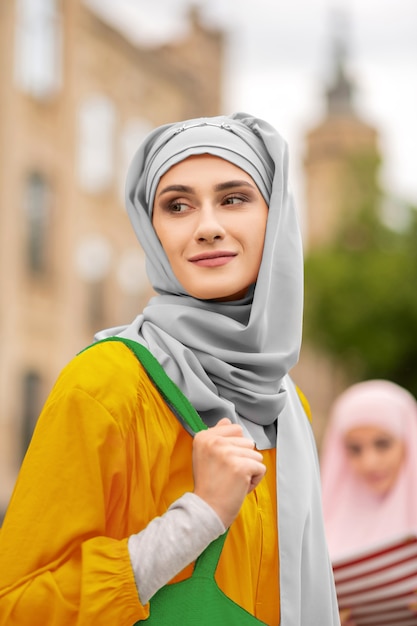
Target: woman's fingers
226, 468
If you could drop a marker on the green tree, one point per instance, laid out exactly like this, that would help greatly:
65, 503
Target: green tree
361, 292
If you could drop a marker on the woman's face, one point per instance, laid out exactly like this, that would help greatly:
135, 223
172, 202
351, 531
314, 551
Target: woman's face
375, 456
210, 218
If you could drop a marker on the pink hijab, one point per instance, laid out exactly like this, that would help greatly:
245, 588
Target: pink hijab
355, 518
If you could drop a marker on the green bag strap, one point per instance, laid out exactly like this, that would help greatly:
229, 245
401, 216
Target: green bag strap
206, 563
172, 395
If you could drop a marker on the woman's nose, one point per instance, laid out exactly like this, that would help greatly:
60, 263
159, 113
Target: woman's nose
370, 460
209, 228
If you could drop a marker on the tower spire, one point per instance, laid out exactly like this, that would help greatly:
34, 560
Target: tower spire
340, 92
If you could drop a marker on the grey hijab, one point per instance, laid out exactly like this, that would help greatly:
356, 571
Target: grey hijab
229, 358
232, 358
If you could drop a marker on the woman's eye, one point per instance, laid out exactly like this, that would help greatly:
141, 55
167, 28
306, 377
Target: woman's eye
234, 200
353, 449
177, 207
383, 444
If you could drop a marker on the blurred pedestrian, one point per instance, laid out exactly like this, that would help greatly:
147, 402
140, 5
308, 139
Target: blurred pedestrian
369, 467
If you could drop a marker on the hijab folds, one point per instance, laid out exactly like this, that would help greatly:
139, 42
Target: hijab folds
229, 358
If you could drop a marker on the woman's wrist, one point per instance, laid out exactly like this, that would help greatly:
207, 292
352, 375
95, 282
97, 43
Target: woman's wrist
171, 542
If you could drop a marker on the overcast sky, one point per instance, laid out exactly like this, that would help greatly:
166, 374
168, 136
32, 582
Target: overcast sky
277, 65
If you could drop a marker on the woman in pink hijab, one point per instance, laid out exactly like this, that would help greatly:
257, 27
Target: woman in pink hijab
369, 467
369, 470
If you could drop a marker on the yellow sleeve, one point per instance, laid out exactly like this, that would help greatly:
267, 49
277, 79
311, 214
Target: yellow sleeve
305, 403
62, 560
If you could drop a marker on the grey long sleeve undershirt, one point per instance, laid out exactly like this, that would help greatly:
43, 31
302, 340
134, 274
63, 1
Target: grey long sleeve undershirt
171, 542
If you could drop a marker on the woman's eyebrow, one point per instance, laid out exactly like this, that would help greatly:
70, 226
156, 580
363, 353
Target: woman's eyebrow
230, 184
178, 188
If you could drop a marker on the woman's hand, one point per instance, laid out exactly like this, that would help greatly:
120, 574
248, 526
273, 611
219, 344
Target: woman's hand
345, 618
413, 605
226, 468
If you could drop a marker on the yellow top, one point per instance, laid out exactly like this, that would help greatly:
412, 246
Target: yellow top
107, 456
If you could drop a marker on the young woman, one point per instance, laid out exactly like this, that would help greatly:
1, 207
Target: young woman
369, 467
136, 466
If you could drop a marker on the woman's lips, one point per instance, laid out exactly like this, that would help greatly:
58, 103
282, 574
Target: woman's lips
376, 478
212, 259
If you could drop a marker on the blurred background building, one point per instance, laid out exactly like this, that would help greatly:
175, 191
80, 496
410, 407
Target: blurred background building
76, 98
328, 147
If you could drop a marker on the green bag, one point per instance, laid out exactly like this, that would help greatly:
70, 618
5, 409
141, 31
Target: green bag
196, 601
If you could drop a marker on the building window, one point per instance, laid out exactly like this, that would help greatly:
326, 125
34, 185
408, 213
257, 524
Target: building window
93, 261
31, 405
38, 55
96, 305
38, 217
131, 137
96, 140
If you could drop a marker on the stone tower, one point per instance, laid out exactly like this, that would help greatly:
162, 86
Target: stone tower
330, 147
341, 135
